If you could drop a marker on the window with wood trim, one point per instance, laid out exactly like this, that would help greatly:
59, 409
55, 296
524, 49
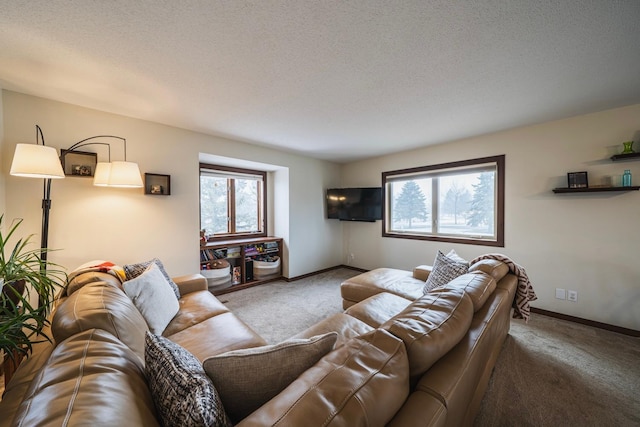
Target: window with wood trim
458, 202
232, 202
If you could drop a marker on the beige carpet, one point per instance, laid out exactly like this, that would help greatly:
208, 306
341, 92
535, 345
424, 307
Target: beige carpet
550, 372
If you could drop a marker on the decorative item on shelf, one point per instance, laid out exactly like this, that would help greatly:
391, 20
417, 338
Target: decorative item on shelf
157, 184
78, 163
577, 180
121, 174
626, 178
237, 275
627, 147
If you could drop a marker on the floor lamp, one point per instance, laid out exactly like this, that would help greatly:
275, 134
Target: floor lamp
39, 161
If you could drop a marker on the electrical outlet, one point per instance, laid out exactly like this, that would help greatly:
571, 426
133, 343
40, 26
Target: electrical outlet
561, 293
352, 257
572, 296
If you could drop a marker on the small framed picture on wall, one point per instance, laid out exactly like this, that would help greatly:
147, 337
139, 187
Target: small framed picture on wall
577, 180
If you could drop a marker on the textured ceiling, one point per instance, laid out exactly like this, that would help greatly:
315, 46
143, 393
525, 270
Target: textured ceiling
338, 80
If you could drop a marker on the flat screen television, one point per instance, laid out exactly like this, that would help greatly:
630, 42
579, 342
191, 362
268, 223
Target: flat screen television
355, 204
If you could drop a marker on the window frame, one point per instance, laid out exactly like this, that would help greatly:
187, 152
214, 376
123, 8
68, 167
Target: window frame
430, 169
262, 201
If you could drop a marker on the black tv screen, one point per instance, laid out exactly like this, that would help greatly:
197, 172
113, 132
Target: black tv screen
354, 204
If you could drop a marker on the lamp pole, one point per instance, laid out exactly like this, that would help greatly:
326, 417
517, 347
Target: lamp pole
46, 207
44, 235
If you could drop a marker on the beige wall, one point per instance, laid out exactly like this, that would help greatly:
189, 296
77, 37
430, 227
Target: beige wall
125, 226
586, 243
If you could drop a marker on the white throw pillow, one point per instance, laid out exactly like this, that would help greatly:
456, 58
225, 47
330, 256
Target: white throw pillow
153, 297
457, 258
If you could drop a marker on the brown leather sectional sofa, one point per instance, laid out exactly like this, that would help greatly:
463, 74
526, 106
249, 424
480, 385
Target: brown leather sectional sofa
402, 358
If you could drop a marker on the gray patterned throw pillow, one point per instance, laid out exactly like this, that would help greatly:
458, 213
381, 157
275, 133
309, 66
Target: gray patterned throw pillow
444, 270
182, 392
132, 271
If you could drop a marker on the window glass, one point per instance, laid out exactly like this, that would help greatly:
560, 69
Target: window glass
411, 210
462, 202
232, 202
213, 204
247, 215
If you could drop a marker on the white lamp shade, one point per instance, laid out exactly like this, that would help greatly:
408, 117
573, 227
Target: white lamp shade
36, 161
102, 174
125, 175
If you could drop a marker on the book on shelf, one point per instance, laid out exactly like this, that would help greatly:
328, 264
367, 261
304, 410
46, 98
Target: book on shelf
233, 252
211, 254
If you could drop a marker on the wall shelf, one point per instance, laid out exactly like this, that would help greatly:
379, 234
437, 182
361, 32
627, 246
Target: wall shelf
241, 255
594, 189
628, 156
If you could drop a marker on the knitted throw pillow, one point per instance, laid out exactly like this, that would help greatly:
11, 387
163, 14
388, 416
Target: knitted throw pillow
182, 392
444, 270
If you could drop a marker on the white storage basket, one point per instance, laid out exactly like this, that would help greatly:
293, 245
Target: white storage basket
262, 269
217, 278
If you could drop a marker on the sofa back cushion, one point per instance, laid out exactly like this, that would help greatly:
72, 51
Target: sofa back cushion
431, 326
478, 285
80, 280
90, 379
494, 268
364, 382
100, 305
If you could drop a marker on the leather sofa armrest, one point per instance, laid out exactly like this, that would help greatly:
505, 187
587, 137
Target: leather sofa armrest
190, 283
421, 272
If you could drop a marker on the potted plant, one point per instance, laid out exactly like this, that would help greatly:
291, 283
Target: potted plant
28, 288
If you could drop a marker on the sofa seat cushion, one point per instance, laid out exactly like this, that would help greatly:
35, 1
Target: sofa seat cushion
364, 382
195, 307
86, 377
423, 406
398, 282
478, 285
431, 326
347, 327
100, 305
376, 310
249, 378
216, 335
